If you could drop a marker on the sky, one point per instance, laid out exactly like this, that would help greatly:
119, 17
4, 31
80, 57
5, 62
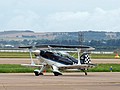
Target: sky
60, 15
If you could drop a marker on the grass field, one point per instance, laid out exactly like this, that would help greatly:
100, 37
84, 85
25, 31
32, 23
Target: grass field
15, 55
26, 55
102, 56
105, 68
12, 68
9, 68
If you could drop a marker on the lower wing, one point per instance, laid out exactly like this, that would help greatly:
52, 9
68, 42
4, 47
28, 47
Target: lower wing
76, 66
31, 65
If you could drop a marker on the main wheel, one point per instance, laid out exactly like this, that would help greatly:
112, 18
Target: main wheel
36, 73
57, 73
41, 74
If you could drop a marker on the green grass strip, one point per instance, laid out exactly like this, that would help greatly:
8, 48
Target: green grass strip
13, 68
105, 68
15, 55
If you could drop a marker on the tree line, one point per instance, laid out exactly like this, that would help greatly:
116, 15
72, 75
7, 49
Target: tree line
111, 44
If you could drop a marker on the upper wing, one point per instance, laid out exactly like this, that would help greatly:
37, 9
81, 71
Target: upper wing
76, 66
82, 47
59, 46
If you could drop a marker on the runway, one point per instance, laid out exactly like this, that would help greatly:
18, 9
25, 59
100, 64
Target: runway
68, 81
27, 60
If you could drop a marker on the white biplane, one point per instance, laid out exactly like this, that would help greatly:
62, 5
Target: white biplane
59, 61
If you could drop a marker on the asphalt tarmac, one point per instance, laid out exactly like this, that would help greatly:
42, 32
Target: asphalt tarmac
68, 81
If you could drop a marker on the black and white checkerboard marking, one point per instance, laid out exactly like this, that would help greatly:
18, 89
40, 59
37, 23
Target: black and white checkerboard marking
87, 59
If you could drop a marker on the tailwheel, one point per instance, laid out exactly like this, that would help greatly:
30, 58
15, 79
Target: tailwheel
85, 73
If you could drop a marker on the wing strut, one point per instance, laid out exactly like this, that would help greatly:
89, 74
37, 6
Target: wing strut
32, 62
79, 50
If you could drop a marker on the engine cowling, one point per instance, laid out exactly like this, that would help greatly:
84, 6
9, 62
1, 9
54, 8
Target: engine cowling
36, 52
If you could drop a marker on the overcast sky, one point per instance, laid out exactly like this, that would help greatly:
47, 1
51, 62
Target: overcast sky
60, 15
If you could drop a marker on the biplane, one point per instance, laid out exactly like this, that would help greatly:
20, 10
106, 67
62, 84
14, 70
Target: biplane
55, 57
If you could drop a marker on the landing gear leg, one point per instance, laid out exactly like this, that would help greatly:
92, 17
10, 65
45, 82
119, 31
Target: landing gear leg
85, 71
56, 71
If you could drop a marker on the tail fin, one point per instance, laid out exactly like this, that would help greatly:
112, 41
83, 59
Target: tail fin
85, 59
